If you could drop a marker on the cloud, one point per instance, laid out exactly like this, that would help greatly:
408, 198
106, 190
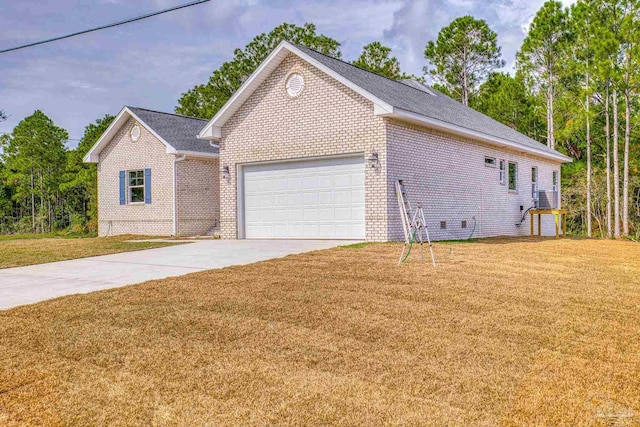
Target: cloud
150, 63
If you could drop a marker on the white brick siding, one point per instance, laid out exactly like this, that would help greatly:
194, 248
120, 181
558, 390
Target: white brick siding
327, 119
448, 177
198, 196
123, 154
197, 182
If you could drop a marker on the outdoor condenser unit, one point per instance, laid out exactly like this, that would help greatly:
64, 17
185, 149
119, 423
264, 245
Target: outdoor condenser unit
546, 199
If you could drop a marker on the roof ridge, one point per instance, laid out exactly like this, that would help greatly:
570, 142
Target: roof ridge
168, 114
360, 68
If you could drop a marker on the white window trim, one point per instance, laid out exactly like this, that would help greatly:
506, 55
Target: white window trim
509, 177
503, 171
555, 176
129, 187
489, 165
534, 181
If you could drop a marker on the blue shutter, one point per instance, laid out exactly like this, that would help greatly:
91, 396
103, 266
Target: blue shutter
123, 189
147, 186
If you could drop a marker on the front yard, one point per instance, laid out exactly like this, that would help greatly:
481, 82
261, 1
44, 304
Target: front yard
28, 249
504, 331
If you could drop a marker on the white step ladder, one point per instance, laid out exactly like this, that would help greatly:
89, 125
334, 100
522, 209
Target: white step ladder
414, 225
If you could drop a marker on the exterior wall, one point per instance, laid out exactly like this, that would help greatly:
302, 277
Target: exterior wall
447, 176
198, 196
326, 119
121, 153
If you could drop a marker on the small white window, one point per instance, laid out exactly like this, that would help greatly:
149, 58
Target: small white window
502, 172
534, 181
554, 181
513, 176
490, 162
135, 184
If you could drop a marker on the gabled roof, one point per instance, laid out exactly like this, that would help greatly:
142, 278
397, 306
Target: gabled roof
403, 100
178, 133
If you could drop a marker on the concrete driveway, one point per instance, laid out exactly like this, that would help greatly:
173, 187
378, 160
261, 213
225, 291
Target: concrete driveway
27, 285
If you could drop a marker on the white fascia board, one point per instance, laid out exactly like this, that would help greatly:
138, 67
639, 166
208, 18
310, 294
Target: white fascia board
195, 154
409, 116
213, 129
93, 155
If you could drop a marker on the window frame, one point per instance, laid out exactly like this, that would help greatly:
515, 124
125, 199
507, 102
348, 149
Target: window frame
490, 165
554, 180
502, 171
131, 187
515, 176
534, 181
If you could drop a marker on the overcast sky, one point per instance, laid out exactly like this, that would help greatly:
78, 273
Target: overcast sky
150, 63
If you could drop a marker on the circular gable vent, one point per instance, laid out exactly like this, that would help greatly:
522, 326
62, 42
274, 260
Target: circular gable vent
135, 133
295, 84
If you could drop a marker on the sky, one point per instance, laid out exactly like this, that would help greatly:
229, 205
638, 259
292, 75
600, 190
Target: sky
152, 62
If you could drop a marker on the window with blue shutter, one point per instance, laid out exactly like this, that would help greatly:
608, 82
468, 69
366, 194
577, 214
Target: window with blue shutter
147, 186
123, 188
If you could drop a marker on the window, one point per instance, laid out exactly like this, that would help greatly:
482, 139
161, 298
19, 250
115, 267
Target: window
490, 162
463, 224
554, 181
443, 224
513, 176
136, 186
534, 181
502, 172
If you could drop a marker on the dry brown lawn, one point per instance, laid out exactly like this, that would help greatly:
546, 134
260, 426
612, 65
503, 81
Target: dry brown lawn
503, 332
28, 250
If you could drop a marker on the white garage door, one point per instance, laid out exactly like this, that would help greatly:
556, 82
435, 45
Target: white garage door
311, 199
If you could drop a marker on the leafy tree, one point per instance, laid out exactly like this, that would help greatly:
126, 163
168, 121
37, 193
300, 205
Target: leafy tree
34, 157
79, 181
206, 99
506, 99
376, 58
465, 52
541, 56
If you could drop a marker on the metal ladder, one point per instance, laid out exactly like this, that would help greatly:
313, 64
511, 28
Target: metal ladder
414, 225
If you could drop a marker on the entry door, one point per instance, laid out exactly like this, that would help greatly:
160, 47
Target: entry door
310, 199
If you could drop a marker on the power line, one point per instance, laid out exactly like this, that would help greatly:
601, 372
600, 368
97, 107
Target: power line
103, 27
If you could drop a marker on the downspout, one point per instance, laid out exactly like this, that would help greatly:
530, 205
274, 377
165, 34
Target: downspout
176, 159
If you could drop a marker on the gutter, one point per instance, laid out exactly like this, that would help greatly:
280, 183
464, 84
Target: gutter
176, 159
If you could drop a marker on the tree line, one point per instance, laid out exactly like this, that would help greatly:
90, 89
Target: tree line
574, 88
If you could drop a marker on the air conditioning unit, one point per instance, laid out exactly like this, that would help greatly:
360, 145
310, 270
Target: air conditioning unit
546, 199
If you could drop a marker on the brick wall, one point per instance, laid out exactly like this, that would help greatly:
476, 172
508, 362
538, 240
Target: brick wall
326, 119
124, 154
447, 175
198, 196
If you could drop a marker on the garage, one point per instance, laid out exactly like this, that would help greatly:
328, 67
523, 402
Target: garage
309, 199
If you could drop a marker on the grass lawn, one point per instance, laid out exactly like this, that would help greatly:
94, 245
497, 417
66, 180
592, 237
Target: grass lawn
503, 332
19, 250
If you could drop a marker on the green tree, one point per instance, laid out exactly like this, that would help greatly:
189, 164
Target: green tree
206, 99
376, 57
465, 52
506, 99
34, 156
541, 56
80, 181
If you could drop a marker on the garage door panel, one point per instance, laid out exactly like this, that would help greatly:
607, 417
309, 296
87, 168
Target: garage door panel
305, 199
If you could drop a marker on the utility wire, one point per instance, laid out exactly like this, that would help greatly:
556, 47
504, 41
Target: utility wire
104, 27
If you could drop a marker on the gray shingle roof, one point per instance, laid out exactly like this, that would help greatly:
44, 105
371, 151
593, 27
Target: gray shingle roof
178, 131
430, 103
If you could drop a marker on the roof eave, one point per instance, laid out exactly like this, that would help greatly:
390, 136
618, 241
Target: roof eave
198, 154
408, 116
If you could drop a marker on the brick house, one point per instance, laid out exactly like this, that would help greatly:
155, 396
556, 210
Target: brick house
311, 147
